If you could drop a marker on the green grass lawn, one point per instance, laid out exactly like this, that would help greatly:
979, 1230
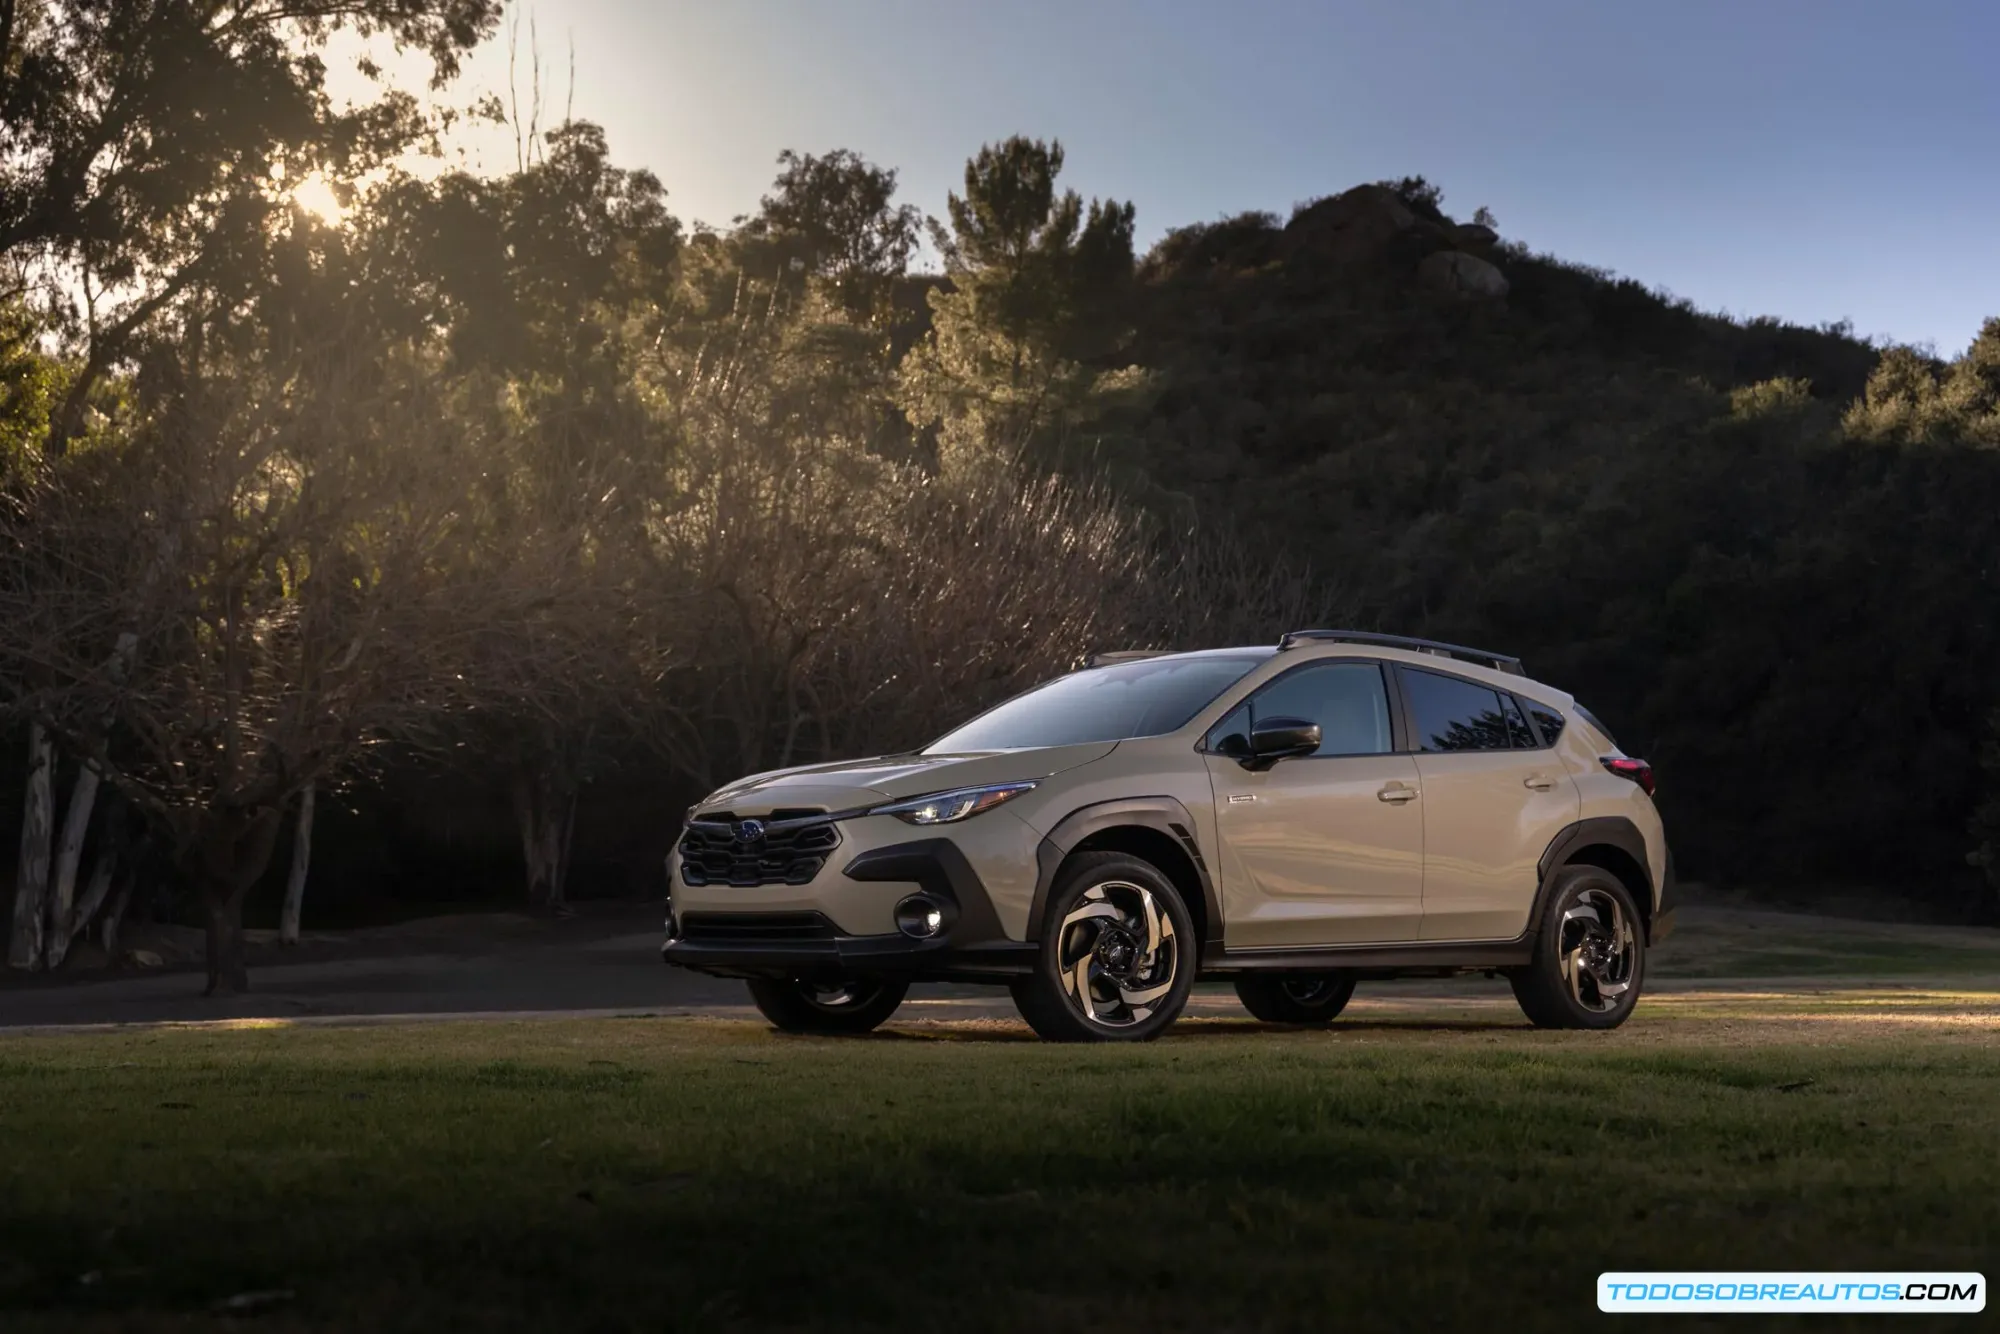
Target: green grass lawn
1721, 943
1418, 1172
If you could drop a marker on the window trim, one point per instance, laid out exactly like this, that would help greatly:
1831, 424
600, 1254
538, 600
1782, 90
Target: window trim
1409, 716
1392, 691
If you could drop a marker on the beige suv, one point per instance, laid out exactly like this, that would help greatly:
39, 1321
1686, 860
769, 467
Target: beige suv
1342, 806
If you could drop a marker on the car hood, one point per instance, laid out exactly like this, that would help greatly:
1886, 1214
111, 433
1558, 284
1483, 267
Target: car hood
849, 783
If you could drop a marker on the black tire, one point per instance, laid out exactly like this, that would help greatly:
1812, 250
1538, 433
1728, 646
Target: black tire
1580, 955
1097, 931
1310, 998
794, 1005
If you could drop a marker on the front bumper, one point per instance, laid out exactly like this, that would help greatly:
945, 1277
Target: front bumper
971, 945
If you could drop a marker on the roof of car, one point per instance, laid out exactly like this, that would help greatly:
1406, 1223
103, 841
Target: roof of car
1309, 649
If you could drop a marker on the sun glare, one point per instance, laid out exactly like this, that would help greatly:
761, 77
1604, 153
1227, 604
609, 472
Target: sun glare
315, 195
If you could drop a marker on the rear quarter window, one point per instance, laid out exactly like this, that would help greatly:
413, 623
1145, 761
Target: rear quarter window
1547, 719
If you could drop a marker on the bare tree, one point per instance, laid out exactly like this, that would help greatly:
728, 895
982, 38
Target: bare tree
317, 603
24, 941
295, 880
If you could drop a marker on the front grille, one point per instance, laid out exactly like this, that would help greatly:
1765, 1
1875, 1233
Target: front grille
790, 851
759, 926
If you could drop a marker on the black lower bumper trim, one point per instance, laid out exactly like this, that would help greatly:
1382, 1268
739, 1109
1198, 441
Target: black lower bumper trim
854, 956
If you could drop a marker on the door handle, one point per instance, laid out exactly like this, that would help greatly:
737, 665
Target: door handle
1539, 782
1397, 792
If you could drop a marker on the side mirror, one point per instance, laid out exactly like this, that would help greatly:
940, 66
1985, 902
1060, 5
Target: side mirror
1277, 739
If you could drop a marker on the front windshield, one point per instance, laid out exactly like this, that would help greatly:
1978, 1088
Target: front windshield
1146, 698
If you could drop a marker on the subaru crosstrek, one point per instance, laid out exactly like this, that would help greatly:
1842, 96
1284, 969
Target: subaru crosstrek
1341, 807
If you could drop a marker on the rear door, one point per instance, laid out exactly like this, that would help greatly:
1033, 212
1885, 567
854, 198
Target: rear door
1324, 849
1494, 800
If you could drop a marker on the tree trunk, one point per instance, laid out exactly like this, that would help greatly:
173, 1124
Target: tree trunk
295, 883
232, 849
112, 856
24, 942
114, 916
226, 974
69, 852
545, 812
102, 872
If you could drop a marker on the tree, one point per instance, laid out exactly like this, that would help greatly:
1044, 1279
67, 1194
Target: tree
147, 150
1022, 345
548, 284
146, 144
836, 216
283, 545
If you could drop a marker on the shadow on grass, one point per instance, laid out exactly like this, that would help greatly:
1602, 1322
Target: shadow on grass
1191, 1029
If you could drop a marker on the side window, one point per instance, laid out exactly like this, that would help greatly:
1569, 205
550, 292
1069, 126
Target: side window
1346, 699
1549, 721
1451, 714
1517, 724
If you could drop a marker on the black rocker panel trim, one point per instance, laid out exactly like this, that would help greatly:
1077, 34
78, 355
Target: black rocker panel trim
1376, 960
1164, 815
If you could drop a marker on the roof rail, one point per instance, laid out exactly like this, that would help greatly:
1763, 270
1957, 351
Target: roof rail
1500, 662
1123, 655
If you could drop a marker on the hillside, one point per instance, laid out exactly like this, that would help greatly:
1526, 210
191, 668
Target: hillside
1736, 546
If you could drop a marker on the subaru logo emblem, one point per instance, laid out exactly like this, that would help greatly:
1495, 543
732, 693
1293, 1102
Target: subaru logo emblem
749, 831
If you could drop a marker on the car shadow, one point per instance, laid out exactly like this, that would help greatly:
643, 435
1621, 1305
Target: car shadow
1196, 1030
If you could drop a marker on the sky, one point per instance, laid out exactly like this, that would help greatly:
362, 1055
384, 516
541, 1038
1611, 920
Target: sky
1816, 160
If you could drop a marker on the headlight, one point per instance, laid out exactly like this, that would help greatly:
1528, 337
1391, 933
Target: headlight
949, 807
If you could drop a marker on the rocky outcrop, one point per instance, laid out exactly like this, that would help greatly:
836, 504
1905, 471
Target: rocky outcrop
1456, 274
1356, 226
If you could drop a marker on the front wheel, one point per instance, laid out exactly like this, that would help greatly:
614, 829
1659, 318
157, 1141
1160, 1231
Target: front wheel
1314, 998
1117, 957
795, 1005
1590, 955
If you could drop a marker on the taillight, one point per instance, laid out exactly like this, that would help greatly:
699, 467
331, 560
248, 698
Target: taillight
1638, 771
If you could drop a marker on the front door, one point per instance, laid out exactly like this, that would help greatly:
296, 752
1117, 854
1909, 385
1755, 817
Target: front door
1328, 848
1493, 802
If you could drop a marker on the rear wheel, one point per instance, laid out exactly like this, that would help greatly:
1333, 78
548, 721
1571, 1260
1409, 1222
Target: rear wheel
796, 1005
1590, 955
1313, 998
1117, 956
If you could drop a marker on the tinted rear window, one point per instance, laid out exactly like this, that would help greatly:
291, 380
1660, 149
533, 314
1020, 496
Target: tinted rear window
1548, 720
1451, 714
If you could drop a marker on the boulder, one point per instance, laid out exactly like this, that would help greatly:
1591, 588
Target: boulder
143, 959
1353, 227
1457, 274
1474, 233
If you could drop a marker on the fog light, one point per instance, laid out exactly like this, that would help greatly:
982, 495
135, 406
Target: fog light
919, 918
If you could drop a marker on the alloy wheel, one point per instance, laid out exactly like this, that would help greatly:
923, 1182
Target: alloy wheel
1118, 954
1598, 951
